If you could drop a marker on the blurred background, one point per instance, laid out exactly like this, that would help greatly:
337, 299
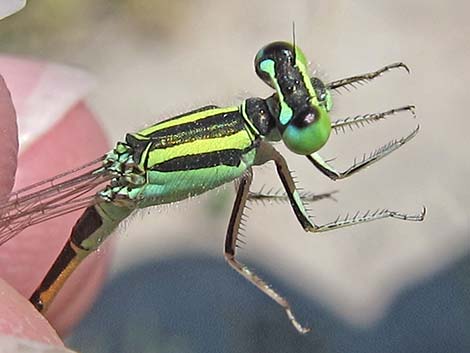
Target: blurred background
388, 286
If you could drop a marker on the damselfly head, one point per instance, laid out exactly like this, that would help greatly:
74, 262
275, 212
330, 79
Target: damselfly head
302, 104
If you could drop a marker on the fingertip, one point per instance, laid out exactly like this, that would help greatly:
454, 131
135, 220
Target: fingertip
21, 319
49, 96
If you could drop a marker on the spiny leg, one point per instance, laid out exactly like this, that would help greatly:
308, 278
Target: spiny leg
361, 120
304, 218
363, 78
277, 196
231, 245
374, 156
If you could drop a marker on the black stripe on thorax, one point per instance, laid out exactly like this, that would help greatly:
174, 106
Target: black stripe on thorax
213, 126
228, 157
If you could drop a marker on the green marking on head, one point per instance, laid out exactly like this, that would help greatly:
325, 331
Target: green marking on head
285, 114
268, 67
300, 58
328, 101
301, 64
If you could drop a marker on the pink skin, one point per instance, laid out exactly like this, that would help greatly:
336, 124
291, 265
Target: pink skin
72, 141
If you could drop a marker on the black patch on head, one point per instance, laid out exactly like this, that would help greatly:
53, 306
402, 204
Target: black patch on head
305, 117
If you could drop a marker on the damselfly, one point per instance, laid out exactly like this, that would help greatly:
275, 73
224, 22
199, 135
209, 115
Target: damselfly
195, 152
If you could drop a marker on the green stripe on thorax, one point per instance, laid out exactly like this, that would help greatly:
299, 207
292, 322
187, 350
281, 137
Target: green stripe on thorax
190, 117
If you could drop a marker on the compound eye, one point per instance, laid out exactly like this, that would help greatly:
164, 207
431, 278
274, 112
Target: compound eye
308, 131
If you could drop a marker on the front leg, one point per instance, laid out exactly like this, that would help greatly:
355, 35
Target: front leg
360, 79
381, 152
301, 213
231, 245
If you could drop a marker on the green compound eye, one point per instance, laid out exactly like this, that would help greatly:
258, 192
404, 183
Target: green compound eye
308, 131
